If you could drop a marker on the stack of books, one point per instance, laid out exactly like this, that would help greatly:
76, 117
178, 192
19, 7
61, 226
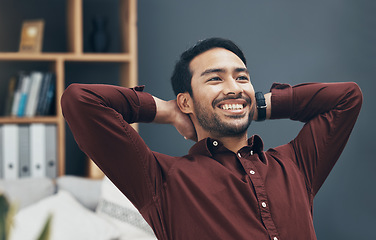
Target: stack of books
28, 150
31, 94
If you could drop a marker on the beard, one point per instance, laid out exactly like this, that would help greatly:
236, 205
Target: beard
220, 128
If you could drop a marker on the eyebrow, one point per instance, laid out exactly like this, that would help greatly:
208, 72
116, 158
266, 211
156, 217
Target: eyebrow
222, 70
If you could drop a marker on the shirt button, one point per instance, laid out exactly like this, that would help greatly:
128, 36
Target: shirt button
275, 238
239, 155
252, 172
251, 152
263, 204
215, 143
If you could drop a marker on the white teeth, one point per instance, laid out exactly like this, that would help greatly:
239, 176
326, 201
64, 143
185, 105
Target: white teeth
232, 106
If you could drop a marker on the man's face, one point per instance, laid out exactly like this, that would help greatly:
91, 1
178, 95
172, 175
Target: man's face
223, 96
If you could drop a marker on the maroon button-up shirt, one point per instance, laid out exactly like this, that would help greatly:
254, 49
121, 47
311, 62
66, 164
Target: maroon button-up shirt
212, 192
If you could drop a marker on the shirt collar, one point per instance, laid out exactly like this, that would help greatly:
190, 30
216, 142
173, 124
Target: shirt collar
208, 147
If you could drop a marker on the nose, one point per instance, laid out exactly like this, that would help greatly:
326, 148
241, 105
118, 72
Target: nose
231, 86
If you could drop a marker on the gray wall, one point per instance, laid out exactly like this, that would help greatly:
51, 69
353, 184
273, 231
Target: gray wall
289, 42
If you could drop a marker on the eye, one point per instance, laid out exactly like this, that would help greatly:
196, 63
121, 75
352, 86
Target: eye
214, 79
243, 78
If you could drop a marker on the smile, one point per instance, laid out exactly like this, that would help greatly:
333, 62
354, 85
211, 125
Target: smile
232, 106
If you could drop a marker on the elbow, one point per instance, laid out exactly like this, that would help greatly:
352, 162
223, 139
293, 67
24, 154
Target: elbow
70, 99
357, 94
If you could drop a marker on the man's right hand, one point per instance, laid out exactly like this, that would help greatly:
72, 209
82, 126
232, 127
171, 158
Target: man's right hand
168, 112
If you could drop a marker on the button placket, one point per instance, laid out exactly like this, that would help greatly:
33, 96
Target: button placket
261, 195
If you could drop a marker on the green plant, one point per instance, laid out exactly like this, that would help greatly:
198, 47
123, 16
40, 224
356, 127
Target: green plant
7, 212
6, 216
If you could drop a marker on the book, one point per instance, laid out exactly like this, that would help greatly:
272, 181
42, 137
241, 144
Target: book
17, 93
35, 86
48, 104
47, 78
24, 150
10, 151
24, 93
38, 150
51, 153
12, 85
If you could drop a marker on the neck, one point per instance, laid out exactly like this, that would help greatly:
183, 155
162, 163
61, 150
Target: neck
233, 143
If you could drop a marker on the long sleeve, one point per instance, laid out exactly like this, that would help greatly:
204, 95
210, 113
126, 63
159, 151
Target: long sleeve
329, 111
99, 117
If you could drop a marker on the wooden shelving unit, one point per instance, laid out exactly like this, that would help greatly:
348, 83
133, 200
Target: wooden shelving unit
127, 59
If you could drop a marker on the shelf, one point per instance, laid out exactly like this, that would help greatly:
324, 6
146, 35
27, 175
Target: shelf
86, 57
98, 57
26, 120
124, 60
9, 56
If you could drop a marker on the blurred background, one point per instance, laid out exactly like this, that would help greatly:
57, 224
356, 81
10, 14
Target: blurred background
288, 42
284, 41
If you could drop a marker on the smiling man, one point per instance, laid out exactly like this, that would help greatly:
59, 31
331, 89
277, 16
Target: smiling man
223, 103
227, 186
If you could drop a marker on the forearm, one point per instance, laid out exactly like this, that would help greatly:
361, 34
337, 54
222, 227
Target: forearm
82, 100
305, 101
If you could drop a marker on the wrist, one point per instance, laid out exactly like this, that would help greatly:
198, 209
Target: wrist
260, 106
268, 108
168, 112
164, 111
268, 100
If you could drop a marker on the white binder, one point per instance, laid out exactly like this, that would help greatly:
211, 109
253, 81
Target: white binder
10, 151
51, 153
24, 150
38, 149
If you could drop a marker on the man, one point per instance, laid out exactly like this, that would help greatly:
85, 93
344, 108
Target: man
227, 187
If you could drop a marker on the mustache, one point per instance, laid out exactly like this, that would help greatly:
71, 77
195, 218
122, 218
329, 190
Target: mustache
232, 97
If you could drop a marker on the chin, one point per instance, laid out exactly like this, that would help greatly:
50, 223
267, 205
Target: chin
235, 128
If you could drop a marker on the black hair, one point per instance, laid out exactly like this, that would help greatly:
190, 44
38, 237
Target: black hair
181, 76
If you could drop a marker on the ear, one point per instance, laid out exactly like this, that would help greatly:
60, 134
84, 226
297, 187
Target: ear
184, 102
